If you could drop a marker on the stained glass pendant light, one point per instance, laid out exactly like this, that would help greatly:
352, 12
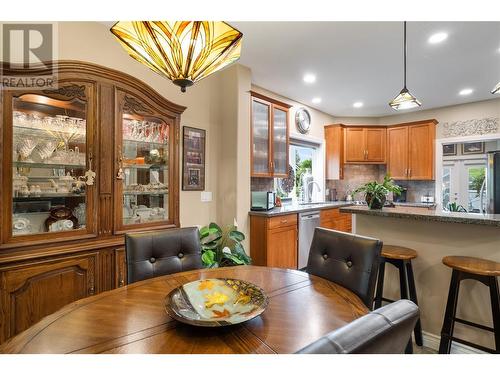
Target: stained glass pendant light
496, 89
183, 51
404, 100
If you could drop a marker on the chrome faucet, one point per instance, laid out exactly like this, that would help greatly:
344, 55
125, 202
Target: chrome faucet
308, 194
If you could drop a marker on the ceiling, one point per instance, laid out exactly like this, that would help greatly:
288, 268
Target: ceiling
363, 62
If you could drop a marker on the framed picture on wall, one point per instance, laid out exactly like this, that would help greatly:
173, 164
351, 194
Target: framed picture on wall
473, 148
450, 149
193, 159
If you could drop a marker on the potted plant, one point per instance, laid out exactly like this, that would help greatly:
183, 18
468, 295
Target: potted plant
222, 247
376, 193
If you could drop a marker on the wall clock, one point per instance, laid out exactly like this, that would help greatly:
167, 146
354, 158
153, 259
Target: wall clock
303, 120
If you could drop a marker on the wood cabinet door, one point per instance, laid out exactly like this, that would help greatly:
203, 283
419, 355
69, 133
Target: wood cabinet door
421, 151
334, 146
120, 268
375, 140
334, 219
282, 247
279, 145
397, 152
354, 145
260, 139
33, 291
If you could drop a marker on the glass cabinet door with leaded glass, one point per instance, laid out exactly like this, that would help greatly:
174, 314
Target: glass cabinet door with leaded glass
143, 171
51, 175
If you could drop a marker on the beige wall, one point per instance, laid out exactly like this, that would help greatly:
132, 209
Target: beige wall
433, 241
461, 112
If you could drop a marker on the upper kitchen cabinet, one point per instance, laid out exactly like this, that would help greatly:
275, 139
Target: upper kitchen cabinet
269, 137
364, 145
334, 150
411, 150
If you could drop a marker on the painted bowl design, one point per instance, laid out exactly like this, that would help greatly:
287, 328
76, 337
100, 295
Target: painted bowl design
216, 302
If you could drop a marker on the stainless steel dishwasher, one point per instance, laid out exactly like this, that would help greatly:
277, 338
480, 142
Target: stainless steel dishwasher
308, 221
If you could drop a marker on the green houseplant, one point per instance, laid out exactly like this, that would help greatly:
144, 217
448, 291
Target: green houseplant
376, 193
222, 247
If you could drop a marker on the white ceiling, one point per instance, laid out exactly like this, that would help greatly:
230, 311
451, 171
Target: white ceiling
362, 61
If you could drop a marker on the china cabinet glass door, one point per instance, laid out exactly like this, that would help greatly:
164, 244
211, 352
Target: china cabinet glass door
51, 178
143, 166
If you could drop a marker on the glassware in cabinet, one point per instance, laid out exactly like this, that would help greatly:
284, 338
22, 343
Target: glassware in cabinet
144, 169
49, 171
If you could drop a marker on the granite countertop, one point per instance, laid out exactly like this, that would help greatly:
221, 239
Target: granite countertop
426, 214
296, 208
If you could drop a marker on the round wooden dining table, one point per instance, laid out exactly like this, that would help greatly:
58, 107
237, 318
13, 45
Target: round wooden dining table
133, 319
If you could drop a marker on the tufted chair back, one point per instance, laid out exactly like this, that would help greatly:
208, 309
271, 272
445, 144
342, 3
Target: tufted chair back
346, 259
383, 331
152, 254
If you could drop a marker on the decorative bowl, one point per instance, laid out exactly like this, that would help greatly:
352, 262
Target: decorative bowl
216, 302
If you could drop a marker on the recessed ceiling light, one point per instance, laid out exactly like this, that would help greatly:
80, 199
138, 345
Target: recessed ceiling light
358, 105
466, 92
316, 100
309, 78
438, 38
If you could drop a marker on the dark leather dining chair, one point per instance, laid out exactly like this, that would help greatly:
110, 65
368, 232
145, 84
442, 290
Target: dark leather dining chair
157, 253
346, 259
383, 331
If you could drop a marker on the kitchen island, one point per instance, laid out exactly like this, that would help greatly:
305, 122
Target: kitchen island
435, 234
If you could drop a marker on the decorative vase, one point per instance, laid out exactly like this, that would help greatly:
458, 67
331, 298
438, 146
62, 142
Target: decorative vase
377, 203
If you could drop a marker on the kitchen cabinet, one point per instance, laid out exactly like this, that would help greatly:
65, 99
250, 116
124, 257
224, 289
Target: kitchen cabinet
273, 241
269, 137
91, 159
411, 150
334, 151
334, 219
364, 145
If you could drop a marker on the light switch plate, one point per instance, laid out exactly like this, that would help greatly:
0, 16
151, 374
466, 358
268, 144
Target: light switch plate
206, 196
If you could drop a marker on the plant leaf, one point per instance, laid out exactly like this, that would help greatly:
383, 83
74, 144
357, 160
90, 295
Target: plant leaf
208, 258
236, 236
214, 228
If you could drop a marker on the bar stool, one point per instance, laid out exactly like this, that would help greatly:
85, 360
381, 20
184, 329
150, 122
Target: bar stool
400, 257
484, 271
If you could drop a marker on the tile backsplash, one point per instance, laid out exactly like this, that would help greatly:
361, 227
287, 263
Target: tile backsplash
356, 175
417, 188
261, 184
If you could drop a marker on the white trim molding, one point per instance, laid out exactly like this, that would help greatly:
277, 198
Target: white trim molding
431, 341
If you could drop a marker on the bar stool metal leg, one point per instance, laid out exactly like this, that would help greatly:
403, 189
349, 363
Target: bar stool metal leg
413, 298
495, 308
403, 290
449, 315
380, 284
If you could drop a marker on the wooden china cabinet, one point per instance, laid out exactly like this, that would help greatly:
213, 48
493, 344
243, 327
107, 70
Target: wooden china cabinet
82, 164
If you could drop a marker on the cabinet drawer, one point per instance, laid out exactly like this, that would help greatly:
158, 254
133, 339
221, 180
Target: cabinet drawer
282, 221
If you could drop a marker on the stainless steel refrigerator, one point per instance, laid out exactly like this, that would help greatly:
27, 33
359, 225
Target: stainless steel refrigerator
493, 183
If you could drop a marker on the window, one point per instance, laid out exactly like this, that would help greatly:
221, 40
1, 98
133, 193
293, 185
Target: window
304, 170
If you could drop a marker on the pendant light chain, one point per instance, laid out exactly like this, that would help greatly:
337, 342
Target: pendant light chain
405, 49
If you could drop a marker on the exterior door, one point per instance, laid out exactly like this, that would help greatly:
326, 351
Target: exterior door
397, 158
